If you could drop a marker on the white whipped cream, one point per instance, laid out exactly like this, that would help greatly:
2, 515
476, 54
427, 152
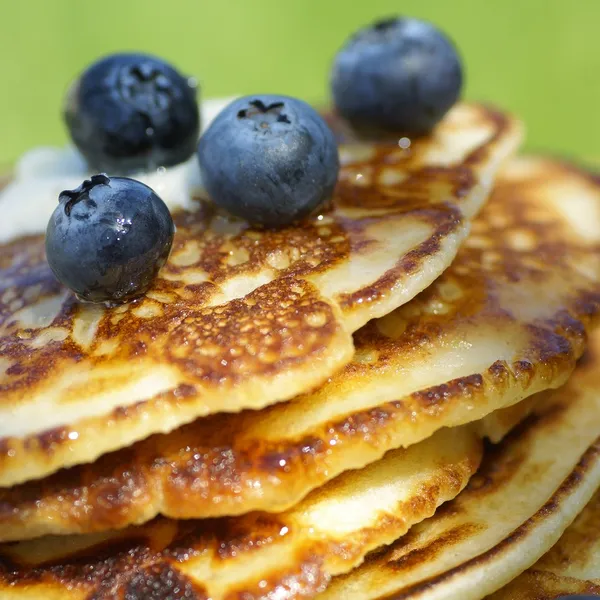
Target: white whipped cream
43, 173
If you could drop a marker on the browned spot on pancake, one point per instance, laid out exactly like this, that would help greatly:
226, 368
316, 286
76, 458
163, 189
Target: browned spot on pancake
405, 560
590, 457
269, 330
458, 387
544, 585
308, 581
444, 221
157, 582
104, 562
254, 532
302, 248
50, 439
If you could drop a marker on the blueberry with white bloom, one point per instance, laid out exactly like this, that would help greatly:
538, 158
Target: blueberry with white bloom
269, 159
399, 74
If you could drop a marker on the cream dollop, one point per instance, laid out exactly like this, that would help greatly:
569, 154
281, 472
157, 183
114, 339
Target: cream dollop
43, 173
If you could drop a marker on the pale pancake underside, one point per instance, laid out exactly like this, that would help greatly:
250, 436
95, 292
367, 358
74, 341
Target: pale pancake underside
238, 318
477, 340
256, 554
527, 492
571, 567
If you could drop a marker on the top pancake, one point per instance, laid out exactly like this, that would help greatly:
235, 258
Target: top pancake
506, 320
238, 318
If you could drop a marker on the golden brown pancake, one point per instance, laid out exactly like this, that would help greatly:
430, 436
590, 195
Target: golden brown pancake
528, 490
507, 320
571, 567
257, 555
260, 556
238, 318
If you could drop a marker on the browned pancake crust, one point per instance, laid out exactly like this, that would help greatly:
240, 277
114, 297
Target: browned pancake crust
489, 476
230, 464
571, 567
253, 556
161, 556
479, 541
281, 339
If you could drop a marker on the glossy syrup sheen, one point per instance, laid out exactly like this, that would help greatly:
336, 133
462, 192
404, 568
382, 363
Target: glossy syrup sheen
238, 318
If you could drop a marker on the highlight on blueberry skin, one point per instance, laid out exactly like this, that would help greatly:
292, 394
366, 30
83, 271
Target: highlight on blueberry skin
107, 239
398, 75
269, 159
132, 112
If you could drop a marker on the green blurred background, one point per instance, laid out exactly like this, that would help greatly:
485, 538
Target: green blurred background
539, 58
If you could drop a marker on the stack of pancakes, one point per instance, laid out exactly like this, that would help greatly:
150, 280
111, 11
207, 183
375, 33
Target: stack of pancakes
376, 403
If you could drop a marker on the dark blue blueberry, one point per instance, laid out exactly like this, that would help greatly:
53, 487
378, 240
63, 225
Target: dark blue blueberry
578, 597
107, 239
396, 75
131, 112
269, 159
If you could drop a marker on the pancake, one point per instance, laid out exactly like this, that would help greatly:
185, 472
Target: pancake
238, 318
477, 340
528, 490
257, 555
571, 567
497, 424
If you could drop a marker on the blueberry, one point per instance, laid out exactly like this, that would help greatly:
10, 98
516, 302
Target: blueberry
269, 159
398, 74
131, 112
107, 239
